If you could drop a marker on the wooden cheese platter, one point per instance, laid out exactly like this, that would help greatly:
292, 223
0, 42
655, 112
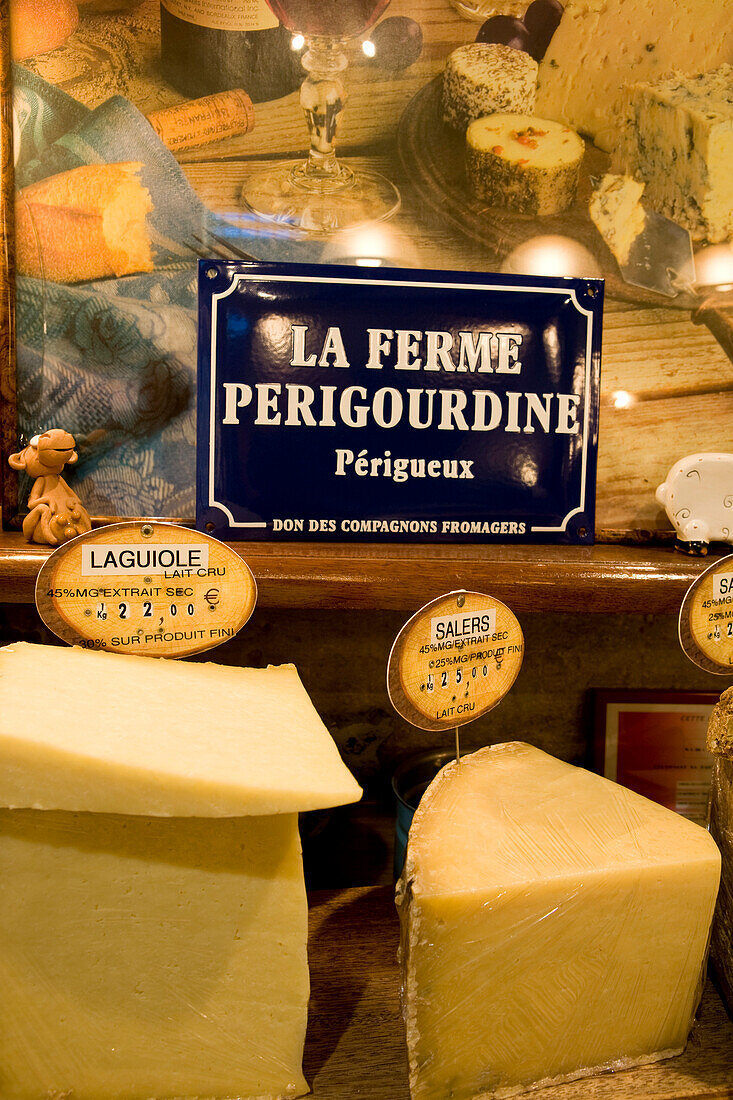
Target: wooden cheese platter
355, 1046
432, 156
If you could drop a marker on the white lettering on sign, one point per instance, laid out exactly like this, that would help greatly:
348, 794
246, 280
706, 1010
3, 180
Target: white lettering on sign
722, 585
467, 627
119, 559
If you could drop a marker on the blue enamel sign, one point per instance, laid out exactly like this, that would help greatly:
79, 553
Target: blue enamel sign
394, 405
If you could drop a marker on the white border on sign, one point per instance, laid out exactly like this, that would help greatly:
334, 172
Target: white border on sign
259, 277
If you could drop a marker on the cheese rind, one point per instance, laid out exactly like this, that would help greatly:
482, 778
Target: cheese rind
482, 78
678, 139
554, 924
147, 957
602, 45
721, 828
159, 737
720, 742
525, 164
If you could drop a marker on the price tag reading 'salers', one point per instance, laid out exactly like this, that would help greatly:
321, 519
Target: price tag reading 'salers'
149, 588
706, 619
454, 660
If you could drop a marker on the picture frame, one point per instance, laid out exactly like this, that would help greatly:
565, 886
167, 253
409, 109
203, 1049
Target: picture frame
8, 422
654, 743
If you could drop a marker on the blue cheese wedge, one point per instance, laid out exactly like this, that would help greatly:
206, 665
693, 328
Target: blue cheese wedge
528, 165
678, 139
601, 46
617, 213
482, 78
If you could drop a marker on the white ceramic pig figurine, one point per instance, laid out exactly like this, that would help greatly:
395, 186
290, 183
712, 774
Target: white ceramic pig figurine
698, 498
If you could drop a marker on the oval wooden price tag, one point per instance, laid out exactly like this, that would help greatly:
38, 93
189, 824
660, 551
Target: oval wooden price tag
454, 660
150, 588
706, 619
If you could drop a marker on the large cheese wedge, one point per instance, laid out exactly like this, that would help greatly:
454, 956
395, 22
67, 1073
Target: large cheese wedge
599, 47
554, 925
153, 922
151, 957
151, 736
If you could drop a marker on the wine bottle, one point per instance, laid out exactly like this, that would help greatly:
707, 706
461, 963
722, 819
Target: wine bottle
215, 45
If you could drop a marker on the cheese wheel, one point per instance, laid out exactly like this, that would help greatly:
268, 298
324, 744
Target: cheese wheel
482, 78
37, 26
526, 164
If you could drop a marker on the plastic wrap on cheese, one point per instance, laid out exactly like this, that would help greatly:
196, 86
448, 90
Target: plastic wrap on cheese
554, 925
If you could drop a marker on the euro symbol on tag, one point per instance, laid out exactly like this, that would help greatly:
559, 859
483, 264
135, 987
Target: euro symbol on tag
212, 597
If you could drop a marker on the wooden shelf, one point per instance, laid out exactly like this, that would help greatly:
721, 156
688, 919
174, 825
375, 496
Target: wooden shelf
602, 578
355, 1045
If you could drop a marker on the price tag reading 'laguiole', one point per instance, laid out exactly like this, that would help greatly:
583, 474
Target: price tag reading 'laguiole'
706, 619
454, 660
147, 588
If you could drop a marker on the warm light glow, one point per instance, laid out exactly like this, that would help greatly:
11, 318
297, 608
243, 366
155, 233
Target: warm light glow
551, 255
297, 42
368, 48
622, 399
373, 244
714, 266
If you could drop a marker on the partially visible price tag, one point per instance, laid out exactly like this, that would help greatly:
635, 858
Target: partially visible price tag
147, 588
454, 660
706, 619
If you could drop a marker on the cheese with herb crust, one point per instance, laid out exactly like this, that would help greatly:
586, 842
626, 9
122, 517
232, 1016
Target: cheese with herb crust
483, 78
526, 164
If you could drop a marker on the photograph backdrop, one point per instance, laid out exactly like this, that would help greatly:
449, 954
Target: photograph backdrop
124, 178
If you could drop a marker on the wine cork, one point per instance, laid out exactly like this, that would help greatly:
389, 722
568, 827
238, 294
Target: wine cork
204, 121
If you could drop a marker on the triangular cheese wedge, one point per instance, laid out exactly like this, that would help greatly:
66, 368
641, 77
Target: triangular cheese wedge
555, 925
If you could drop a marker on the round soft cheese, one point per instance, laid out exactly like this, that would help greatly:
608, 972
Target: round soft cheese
526, 164
482, 78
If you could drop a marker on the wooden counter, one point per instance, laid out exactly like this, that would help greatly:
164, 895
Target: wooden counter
355, 1045
602, 578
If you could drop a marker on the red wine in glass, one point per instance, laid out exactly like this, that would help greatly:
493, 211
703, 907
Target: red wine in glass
332, 18
322, 194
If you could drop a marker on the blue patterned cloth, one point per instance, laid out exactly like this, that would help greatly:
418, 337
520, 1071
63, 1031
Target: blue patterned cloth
114, 361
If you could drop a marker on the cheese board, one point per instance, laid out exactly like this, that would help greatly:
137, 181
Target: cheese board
355, 1044
433, 157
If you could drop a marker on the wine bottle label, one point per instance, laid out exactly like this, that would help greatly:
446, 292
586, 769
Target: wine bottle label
224, 15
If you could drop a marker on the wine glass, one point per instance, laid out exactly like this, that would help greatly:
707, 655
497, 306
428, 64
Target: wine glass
321, 194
